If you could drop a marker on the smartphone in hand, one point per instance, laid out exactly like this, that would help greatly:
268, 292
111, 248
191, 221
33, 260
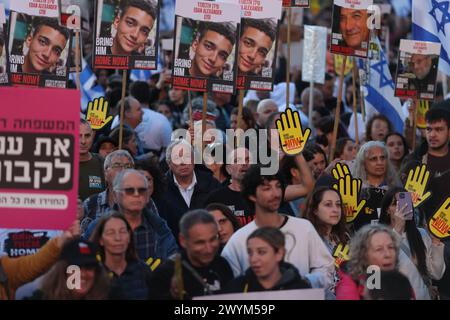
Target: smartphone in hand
404, 198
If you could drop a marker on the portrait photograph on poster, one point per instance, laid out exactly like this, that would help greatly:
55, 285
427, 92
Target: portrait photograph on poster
417, 69
126, 34
258, 44
205, 46
38, 49
350, 33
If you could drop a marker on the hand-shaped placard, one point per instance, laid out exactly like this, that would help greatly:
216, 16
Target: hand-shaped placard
292, 138
349, 189
439, 223
97, 113
416, 184
340, 171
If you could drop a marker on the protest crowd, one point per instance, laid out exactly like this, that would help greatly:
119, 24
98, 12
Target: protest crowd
334, 177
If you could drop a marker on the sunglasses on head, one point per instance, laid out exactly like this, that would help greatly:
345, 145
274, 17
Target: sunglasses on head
132, 191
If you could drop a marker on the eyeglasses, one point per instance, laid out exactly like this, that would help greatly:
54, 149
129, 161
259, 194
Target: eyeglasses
122, 166
133, 191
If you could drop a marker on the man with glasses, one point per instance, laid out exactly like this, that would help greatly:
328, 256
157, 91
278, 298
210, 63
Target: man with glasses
97, 205
152, 237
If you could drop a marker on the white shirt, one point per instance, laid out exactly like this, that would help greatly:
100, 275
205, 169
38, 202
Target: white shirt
304, 249
186, 193
154, 131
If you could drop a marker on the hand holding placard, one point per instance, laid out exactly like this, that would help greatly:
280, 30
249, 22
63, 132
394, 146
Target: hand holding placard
416, 184
439, 224
292, 138
97, 113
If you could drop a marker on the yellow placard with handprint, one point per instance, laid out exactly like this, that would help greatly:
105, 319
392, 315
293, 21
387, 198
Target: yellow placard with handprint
292, 138
340, 254
339, 60
439, 223
97, 113
423, 107
416, 184
349, 189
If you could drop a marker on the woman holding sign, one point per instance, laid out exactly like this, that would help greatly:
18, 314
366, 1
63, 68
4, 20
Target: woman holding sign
268, 271
425, 251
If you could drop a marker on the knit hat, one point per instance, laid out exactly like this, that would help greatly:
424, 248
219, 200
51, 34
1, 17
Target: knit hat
80, 253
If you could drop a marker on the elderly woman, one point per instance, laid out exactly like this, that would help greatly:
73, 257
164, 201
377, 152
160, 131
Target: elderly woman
375, 248
373, 167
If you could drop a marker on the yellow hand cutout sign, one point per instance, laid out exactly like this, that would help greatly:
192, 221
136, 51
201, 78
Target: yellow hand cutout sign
340, 171
439, 224
416, 184
340, 254
97, 113
292, 138
349, 189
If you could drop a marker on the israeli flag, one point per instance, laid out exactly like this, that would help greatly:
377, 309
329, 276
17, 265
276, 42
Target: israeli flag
431, 22
378, 88
140, 75
87, 80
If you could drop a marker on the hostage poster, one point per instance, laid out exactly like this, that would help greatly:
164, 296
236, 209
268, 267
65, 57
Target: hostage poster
205, 46
126, 34
417, 69
260, 20
38, 50
350, 33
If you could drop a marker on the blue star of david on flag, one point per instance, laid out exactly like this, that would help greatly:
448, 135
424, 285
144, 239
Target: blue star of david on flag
431, 22
379, 88
443, 8
384, 79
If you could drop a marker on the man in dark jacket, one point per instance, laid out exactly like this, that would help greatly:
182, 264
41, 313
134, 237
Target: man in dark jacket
203, 271
187, 188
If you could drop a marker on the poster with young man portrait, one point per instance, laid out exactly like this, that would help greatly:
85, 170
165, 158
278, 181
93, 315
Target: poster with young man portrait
126, 34
350, 33
38, 49
417, 69
260, 20
205, 46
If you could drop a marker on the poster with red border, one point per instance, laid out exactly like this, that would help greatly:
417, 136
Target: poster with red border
350, 33
39, 142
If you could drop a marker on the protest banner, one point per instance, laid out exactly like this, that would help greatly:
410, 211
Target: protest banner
350, 33
38, 47
4, 78
314, 59
417, 69
126, 34
18, 242
205, 46
258, 44
39, 158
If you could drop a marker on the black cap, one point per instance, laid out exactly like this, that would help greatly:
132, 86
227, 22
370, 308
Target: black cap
80, 252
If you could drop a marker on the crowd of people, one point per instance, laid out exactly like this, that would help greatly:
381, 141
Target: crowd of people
154, 224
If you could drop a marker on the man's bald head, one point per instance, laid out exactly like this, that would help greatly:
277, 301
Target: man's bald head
265, 108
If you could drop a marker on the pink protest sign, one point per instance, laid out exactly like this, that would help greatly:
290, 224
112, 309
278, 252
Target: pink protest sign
39, 141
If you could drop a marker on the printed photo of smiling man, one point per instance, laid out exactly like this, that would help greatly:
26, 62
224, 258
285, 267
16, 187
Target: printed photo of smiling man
350, 31
38, 47
205, 46
126, 34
